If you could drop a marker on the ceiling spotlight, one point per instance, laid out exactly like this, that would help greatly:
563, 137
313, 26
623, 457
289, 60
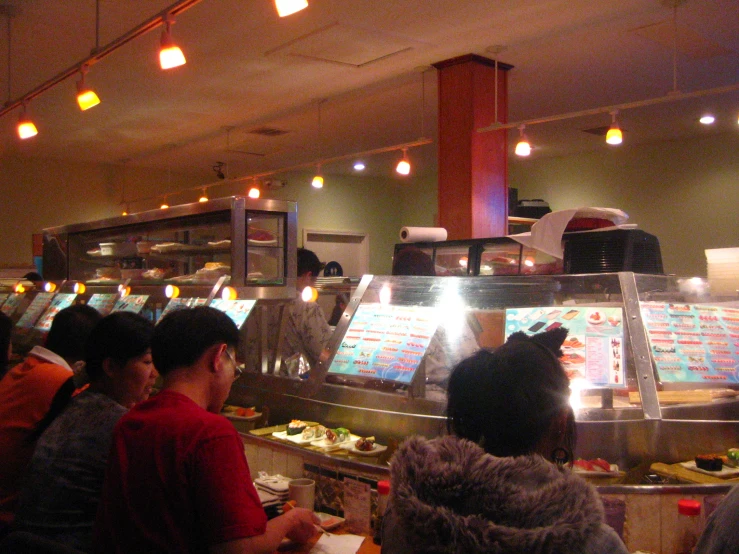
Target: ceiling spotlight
203, 196
26, 128
289, 7
523, 147
614, 135
359, 166
404, 166
317, 182
170, 55
707, 119
86, 97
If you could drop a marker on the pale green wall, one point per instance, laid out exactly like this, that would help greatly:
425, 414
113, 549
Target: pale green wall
685, 192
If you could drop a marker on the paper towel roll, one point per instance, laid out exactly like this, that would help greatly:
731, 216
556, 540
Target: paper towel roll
422, 234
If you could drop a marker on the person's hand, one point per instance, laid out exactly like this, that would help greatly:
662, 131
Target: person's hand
302, 524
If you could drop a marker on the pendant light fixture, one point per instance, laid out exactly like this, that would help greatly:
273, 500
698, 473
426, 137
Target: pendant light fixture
254, 191
164, 205
170, 55
86, 97
614, 135
523, 147
317, 182
289, 7
204, 195
404, 165
26, 128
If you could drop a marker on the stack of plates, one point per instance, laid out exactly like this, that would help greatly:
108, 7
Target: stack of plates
273, 492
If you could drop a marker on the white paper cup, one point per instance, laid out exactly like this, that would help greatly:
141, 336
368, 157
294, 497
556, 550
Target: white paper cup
303, 491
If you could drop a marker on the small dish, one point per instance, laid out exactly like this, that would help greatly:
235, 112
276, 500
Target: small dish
595, 318
328, 521
377, 449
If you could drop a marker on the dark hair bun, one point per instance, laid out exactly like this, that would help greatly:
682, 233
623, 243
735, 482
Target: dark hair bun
551, 340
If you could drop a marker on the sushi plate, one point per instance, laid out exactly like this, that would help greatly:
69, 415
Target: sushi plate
726, 472
328, 445
297, 439
377, 449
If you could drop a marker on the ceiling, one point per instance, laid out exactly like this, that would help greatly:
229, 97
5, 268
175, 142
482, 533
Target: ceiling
365, 66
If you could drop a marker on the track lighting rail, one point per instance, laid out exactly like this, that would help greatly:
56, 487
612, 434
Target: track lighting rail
99, 53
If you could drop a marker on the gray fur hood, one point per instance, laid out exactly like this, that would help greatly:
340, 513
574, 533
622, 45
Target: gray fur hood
449, 495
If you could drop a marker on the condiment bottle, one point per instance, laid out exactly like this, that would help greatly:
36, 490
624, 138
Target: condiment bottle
689, 525
383, 493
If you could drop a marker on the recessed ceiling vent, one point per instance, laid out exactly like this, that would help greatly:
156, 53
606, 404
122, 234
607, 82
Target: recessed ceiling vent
268, 132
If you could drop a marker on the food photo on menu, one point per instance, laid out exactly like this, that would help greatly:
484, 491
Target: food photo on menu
593, 350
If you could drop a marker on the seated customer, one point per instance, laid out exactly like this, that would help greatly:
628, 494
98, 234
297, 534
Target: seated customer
177, 478
65, 477
27, 391
721, 535
492, 485
6, 346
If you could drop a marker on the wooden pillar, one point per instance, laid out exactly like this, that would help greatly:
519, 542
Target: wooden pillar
473, 167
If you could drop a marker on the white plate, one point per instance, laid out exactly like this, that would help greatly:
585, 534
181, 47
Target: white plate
297, 439
326, 445
612, 473
596, 318
376, 449
230, 415
725, 472
262, 242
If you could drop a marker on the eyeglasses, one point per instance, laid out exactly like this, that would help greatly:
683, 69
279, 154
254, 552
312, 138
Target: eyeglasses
237, 370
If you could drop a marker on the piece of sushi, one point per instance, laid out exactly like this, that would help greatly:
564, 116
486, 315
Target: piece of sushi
295, 427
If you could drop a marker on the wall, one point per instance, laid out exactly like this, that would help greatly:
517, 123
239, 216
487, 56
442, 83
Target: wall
685, 192
39, 193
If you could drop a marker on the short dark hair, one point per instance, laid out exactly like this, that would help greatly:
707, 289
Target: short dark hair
33, 276
70, 329
308, 262
120, 336
413, 261
506, 400
182, 336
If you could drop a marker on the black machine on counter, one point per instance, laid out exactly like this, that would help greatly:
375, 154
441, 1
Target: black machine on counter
601, 251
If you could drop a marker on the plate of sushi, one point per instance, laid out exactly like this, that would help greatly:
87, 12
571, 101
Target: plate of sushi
300, 432
597, 467
364, 446
334, 438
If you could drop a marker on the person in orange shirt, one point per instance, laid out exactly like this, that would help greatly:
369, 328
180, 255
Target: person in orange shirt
27, 392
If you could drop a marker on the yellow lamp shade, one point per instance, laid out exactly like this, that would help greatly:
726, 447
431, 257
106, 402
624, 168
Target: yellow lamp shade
79, 288
87, 99
26, 129
614, 136
19, 288
403, 167
309, 294
229, 293
171, 56
289, 7
171, 291
254, 192
317, 182
523, 148
49, 286
124, 291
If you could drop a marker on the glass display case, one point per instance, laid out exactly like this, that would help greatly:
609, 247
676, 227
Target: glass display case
251, 241
641, 390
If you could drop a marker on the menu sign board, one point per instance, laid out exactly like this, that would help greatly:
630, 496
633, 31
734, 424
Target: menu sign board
693, 343
593, 349
237, 310
35, 309
11, 304
385, 342
103, 303
59, 302
181, 303
131, 303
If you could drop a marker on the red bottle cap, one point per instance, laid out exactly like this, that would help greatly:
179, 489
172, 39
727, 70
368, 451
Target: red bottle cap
689, 507
383, 487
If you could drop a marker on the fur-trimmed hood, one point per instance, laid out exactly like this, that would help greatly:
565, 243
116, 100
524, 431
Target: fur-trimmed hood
449, 495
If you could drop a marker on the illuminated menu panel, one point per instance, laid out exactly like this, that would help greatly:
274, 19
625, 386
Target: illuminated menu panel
237, 310
180, 303
35, 309
131, 303
59, 302
3, 298
693, 342
593, 350
11, 304
103, 303
385, 342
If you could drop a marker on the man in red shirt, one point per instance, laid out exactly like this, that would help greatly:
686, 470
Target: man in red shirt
26, 394
177, 479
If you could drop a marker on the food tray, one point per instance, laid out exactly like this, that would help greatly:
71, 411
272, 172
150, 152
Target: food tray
725, 473
377, 449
